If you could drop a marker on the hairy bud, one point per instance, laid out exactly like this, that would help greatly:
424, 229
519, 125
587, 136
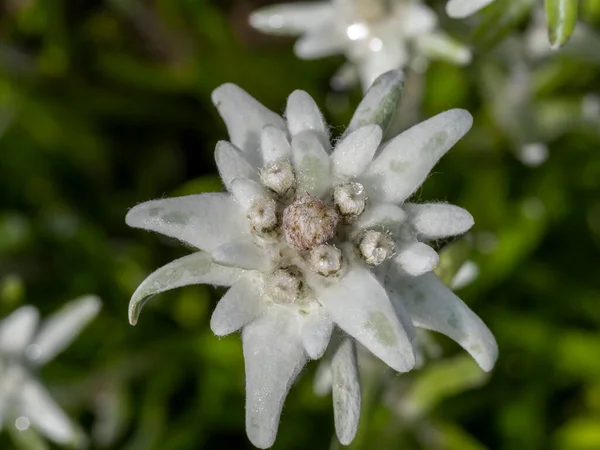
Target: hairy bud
375, 247
279, 177
309, 222
326, 260
284, 286
262, 215
350, 198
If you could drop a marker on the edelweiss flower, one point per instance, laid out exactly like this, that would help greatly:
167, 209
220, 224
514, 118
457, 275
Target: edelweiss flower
23, 399
310, 237
375, 35
459, 9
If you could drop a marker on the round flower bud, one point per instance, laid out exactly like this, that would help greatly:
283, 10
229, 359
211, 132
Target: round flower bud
350, 198
262, 215
326, 260
279, 177
284, 286
309, 222
375, 247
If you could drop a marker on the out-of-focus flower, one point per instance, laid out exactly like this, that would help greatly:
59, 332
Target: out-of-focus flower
375, 35
459, 9
312, 235
24, 401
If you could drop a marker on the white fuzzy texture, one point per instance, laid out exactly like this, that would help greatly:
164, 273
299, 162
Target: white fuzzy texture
283, 286
311, 164
274, 144
434, 306
232, 164
245, 118
279, 177
302, 114
197, 268
274, 355
459, 9
355, 151
375, 247
417, 258
262, 215
406, 160
326, 260
350, 198
382, 215
247, 192
309, 222
204, 221
239, 306
316, 332
438, 220
360, 306
243, 255
346, 391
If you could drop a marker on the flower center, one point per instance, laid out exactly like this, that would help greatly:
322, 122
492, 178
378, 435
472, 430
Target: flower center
279, 177
284, 286
375, 247
326, 260
262, 215
350, 198
309, 222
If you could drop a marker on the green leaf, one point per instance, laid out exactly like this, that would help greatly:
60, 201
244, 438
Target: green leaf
561, 16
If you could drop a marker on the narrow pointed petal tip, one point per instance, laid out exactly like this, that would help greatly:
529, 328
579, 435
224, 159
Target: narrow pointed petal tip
197, 268
380, 102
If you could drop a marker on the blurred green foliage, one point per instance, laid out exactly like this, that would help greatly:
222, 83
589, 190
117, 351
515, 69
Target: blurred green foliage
105, 104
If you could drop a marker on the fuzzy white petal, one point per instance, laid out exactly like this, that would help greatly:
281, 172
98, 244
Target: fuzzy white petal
385, 215
406, 160
274, 144
203, 220
60, 329
246, 192
416, 258
346, 391
417, 19
459, 9
232, 164
302, 114
274, 356
44, 414
320, 42
311, 163
316, 333
16, 331
291, 19
355, 151
243, 254
379, 103
244, 117
438, 220
197, 268
441, 46
434, 306
240, 305
361, 307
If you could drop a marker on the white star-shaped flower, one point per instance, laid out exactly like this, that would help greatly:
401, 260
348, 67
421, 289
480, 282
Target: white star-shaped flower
310, 237
375, 35
24, 401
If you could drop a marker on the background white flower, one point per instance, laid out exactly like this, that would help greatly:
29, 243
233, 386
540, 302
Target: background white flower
309, 236
375, 35
24, 401
460, 9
